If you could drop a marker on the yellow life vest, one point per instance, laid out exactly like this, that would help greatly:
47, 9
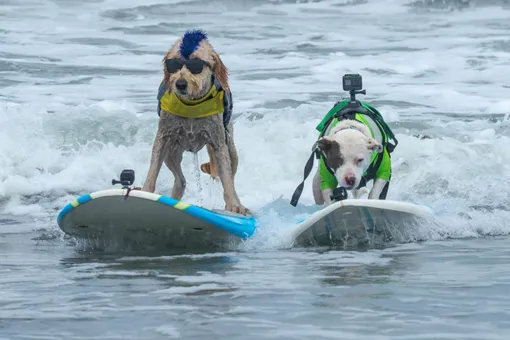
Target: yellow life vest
210, 104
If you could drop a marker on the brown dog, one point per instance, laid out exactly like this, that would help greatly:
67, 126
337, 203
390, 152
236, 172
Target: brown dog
195, 107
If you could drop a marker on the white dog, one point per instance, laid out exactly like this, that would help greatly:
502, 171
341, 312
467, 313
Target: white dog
349, 150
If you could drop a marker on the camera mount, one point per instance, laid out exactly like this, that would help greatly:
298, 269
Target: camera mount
127, 178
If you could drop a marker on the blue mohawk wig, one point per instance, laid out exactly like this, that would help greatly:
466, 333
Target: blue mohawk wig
190, 42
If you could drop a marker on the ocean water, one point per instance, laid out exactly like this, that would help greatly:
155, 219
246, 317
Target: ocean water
78, 83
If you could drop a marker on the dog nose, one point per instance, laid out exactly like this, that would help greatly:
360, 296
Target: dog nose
181, 84
350, 180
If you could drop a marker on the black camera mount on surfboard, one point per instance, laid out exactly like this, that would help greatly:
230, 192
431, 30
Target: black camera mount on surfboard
127, 178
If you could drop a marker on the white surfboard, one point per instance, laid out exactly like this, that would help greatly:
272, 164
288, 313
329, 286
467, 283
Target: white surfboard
148, 219
358, 222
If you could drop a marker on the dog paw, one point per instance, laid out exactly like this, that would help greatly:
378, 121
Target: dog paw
358, 193
238, 209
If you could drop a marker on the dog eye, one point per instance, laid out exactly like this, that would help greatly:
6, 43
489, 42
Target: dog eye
359, 160
173, 65
195, 66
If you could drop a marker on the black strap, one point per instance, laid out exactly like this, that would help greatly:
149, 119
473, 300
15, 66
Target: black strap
316, 153
371, 171
384, 192
228, 107
127, 193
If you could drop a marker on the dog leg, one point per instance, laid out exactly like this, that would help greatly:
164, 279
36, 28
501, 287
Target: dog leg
157, 157
377, 189
232, 201
316, 188
173, 162
326, 194
210, 168
234, 158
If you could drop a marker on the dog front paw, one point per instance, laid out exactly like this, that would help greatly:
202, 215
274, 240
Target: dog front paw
358, 193
238, 209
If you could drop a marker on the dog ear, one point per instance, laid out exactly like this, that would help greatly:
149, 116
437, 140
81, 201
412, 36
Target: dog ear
220, 71
166, 75
374, 146
324, 144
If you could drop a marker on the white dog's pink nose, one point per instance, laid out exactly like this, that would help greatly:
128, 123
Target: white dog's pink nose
350, 180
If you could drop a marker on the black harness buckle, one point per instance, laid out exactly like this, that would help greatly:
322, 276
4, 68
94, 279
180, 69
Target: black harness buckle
339, 194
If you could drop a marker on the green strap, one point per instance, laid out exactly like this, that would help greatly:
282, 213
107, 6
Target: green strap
379, 120
330, 115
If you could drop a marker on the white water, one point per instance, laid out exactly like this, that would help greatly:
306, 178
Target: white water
79, 80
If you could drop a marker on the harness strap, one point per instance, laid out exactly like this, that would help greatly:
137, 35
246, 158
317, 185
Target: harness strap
352, 108
308, 168
371, 171
161, 92
385, 128
227, 103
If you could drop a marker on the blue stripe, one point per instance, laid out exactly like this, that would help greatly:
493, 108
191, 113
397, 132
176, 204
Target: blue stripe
299, 220
242, 227
84, 199
63, 212
69, 207
167, 200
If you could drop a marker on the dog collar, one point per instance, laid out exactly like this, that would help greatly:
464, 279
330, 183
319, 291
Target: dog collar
209, 105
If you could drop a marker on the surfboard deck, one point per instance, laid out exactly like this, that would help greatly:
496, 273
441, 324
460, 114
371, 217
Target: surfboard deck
358, 222
146, 218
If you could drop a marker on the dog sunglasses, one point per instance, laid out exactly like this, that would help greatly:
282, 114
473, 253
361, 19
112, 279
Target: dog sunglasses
195, 66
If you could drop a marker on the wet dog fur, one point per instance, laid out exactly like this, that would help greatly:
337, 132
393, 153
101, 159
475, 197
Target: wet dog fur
348, 149
177, 134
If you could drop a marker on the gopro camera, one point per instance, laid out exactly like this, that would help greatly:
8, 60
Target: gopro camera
352, 82
127, 177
